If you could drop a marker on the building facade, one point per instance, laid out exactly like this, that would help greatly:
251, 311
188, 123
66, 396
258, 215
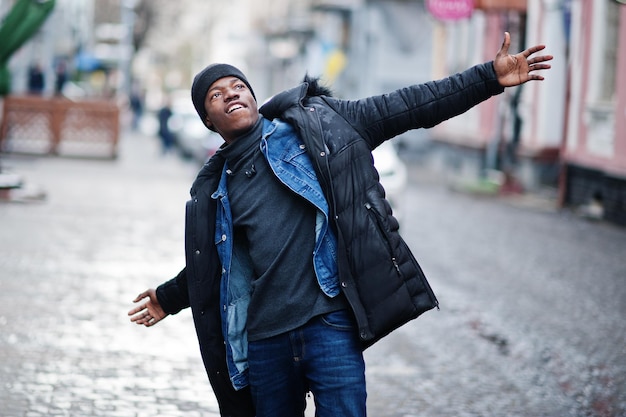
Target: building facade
568, 131
594, 146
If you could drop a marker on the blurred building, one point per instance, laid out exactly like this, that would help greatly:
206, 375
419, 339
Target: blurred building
569, 130
513, 133
594, 145
94, 40
55, 41
358, 47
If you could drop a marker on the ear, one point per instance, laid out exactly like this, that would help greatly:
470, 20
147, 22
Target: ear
207, 122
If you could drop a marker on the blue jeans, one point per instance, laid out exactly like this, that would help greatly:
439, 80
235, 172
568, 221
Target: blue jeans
324, 356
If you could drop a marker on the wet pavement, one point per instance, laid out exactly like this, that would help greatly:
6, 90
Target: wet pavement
532, 299
70, 267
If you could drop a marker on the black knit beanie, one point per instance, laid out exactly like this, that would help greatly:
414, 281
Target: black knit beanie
203, 80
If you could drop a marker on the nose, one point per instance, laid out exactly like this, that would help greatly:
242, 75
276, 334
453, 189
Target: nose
230, 94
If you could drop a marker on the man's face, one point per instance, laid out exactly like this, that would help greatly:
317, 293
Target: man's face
230, 107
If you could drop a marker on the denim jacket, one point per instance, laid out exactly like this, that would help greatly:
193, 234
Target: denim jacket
287, 157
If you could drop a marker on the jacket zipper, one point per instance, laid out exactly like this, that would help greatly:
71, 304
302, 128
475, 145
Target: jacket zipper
384, 237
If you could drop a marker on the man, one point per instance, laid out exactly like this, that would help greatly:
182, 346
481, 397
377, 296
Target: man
36, 79
165, 133
294, 263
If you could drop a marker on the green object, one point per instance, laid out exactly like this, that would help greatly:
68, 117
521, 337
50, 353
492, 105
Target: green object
5, 80
19, 25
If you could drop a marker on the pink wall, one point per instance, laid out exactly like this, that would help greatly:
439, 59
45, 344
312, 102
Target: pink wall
582, 66
487, 111
617, 163
494, 34
620, 111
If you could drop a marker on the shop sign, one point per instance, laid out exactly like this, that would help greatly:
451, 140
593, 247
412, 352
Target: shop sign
450, 9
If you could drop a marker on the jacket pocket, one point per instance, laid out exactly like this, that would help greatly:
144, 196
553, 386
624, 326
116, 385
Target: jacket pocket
384, 235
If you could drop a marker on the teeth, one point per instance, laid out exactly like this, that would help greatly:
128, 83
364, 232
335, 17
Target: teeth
232, 109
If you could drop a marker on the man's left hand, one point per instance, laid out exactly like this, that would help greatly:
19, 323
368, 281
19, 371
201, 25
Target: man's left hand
513, 70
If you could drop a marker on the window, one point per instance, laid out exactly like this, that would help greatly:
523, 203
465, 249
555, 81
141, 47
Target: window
609, 54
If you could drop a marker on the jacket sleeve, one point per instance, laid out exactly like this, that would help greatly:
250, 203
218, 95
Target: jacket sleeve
173, 295
419, 106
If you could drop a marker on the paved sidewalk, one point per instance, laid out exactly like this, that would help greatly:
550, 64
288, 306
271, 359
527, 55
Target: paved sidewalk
71, 264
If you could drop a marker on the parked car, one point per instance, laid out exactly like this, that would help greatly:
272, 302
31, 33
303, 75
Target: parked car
393, 174
193, 139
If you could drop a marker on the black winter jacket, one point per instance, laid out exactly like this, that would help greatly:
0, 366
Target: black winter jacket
379, 276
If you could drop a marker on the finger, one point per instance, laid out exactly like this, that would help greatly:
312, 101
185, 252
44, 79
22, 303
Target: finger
141, 320
542, 58
137, 309
133, 311
141, 296
536, 67
506, 43
534, 49
138, 314
152, 322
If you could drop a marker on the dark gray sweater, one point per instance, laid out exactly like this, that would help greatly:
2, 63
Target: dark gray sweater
278, 227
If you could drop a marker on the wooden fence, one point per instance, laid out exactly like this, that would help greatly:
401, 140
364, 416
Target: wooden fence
59, 126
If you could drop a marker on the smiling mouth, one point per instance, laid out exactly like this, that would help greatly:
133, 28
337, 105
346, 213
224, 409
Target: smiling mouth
232, 109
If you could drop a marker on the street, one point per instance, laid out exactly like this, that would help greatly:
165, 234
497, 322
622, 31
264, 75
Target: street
532, 313
532, 318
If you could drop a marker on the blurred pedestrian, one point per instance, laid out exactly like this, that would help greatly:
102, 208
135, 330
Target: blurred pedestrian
36, 80
294, 261
60, 73
136, 106
165, 133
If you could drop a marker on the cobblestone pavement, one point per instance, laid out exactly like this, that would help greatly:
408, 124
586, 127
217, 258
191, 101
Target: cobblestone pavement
531, 325
69, 269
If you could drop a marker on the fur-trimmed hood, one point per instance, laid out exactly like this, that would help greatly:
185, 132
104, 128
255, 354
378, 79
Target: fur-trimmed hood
315, 88
310, 87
